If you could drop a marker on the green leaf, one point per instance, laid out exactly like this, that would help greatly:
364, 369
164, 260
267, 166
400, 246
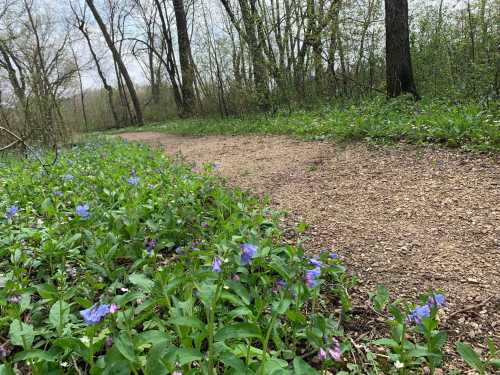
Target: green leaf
386, 342
188, 322
232, 361
296, 316
35, 354
21, 334
59, 315
494, 362
154, 364
125, 347
238, 331
301, 367
380, 298
470, 356
141, 281
185, 356
273, 365
5, 370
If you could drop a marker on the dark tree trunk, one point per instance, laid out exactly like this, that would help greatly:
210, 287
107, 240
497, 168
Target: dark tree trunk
399, 74
170, 64
188, 96
119, 62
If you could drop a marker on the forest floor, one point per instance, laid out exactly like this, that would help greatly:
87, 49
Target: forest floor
410, 218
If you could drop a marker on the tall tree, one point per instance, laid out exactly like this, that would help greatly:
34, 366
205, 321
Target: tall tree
188, 95
119, 61
399, 73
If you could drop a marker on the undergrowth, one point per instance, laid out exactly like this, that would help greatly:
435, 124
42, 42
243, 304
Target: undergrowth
468, 125
117, 260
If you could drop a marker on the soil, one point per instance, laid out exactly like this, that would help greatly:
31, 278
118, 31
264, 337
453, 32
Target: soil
410, 218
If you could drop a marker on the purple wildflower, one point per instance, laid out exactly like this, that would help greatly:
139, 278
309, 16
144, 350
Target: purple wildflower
177, 373
109, 341
216, 263
419, 313
67, 177
133, 181
315, 262
113, 308
58, 193
216, 166
94, 314
310, 277
14, 299
278, 285
437, 300
178, 250
334, 350
321, 354
333, 255
236, 277
247, 252
150, 245
82, 210
11, 211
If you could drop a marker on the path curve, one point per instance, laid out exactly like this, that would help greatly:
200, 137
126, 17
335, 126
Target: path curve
410, 219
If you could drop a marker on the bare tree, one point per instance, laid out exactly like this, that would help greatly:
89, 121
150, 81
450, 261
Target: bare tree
119, 62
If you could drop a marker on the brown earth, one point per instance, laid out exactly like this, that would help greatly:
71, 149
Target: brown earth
409, 218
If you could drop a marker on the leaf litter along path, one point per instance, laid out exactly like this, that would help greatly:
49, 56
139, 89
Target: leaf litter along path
409, 218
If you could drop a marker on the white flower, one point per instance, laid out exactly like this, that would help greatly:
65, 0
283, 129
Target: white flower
398, 364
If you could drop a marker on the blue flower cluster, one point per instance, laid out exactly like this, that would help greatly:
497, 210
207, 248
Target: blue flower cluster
94, 314
11, 211
421, 312
247, 252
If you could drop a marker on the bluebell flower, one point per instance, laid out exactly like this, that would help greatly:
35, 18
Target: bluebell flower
333, 255
150, 245
247, 252
11, 211
315, 262
279, 285
437, 300
310, 277
133, 181
419, 313
67, 177
109, 341
82, 210
94, 314
178, 250
216, 263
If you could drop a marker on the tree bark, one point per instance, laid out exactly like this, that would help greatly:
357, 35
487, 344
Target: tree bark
399, 74
188, 95
119, 62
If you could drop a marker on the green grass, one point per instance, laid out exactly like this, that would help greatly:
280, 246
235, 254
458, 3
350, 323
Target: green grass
470, 126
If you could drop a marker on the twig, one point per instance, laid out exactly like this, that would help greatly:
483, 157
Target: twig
10, 145
20, 140
471, 307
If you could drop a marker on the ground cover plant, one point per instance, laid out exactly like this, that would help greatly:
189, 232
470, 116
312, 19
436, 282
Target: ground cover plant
116, 260
468, 125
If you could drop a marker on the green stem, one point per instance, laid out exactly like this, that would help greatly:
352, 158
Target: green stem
266, 342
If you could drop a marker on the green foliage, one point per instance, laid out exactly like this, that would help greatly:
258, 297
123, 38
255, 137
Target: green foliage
474, 360
469, 125
119, 227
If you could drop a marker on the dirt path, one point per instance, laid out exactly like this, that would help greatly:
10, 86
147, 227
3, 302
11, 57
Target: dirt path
411, 220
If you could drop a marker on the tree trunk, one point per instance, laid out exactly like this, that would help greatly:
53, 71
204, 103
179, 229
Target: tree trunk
399, 74
119, 62
188, 95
